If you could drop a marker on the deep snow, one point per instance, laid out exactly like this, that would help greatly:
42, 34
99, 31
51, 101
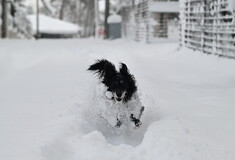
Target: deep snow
46, 93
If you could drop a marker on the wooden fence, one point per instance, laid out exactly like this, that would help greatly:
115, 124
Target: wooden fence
208, 26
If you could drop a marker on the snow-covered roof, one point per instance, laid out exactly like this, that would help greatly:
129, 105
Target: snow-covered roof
114, 18
52, 25
164, 7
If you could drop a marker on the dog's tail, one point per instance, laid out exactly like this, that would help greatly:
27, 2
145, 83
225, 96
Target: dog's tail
102, 67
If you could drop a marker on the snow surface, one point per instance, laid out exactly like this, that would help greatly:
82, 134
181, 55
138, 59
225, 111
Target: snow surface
48, 102
52, 25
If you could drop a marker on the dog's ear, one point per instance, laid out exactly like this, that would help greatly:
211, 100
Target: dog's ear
123, 69
109, 70
103, 68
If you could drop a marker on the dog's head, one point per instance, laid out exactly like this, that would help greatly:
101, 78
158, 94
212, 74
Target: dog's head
121, 83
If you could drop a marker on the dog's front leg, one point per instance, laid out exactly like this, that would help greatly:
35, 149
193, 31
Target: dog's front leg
120, 119
136, 120
119, 123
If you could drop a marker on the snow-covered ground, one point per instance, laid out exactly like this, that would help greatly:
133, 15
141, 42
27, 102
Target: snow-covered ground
45, 93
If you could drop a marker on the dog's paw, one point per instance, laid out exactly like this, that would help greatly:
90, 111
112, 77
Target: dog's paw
136, 121
118, 125
135, 126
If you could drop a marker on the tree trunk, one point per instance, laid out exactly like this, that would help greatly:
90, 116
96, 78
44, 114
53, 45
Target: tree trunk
80, 11
37, 21
96, 18
106, 27
89, 24
4, 18
61, 16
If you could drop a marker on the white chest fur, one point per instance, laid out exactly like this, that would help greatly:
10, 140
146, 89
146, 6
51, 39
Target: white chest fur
111, 110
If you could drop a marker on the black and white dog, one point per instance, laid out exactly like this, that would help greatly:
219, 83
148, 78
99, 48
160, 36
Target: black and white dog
122, 88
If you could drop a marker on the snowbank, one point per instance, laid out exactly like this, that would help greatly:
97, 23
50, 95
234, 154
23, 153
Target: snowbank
47, 101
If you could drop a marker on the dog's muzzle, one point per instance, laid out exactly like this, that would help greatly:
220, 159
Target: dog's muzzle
119, 96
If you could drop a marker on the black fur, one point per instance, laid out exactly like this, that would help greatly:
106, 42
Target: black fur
118, 82
121, 83
137, 120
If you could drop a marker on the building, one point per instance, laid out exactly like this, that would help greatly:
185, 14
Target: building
147, 20
53, 28
114, 26
209, 26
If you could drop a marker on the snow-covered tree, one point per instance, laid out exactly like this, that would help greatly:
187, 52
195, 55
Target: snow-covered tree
20, 25
17, 25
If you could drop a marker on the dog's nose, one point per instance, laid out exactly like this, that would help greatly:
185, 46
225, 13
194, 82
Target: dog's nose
119, 94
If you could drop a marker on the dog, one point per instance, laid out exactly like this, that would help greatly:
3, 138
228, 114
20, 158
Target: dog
121, 86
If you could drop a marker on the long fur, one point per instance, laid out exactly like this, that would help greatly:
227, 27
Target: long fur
120, 83
109, 75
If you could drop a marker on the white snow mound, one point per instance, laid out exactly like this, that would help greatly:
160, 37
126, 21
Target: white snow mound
101, 113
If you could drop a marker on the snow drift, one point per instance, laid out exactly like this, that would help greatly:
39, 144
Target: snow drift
47, 102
